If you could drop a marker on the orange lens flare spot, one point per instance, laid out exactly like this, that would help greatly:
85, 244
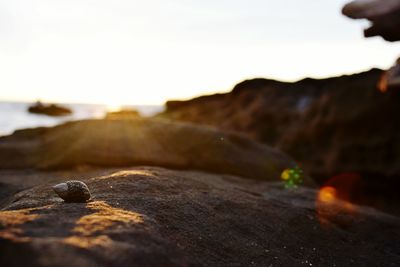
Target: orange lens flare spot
327, 194
383, 84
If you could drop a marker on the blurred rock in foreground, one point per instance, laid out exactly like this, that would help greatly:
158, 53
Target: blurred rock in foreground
383, 14
151, 216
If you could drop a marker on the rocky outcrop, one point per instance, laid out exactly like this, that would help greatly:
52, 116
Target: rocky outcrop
151, 216
330, 126
141, 141
49, 110
383, 14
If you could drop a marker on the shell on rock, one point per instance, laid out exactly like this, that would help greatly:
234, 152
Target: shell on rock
73, 191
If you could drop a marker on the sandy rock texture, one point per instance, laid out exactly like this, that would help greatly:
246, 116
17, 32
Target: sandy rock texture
149, 216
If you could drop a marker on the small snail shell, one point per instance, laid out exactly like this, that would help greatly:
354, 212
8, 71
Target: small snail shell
72, 191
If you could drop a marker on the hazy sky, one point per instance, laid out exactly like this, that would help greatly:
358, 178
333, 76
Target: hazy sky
148, 51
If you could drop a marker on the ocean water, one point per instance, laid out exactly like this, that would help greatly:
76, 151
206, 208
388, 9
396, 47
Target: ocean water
14, 115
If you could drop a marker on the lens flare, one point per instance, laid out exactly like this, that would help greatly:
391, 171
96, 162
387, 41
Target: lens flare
285, 175
327, 194
334, 198
292, 177
383, 84
113, 107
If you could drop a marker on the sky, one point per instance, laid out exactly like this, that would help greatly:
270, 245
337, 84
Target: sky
148, 51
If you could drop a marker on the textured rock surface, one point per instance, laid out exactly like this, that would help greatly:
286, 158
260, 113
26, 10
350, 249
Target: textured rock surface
330, 126
138, 142
157, 217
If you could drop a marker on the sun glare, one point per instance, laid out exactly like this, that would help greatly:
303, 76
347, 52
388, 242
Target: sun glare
113, 107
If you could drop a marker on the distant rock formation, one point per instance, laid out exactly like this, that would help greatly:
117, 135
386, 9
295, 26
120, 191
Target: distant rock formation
330, 126
384, 15
123, 114
49, 110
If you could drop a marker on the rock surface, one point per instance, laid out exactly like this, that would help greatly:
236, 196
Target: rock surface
141, 141
330, 126
49, 110
149, 216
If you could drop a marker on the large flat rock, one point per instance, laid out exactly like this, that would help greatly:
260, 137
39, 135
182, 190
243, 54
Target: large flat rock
133, 142
148, 216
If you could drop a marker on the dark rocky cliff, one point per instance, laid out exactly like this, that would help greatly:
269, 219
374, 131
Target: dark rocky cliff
330, 126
